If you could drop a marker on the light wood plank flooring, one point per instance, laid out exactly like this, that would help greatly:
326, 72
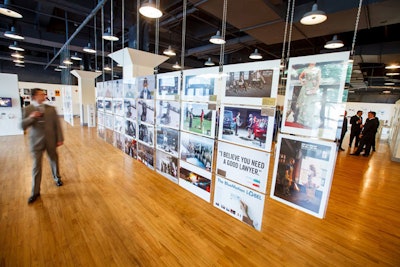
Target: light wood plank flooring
113, 211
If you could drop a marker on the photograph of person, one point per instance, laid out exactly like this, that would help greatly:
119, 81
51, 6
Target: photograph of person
146, 87
197, 150
198, 84
168, 113
119, 140
146, 111
117, 89
246, 126
130, 128
130, 109
314, 94
167, 165
119, 124
251, 83
195, 179
145, 154
118, 108
130, 147
108, 105
130, 89
303, 172
168, 140
168, 85
108, 89
100, 104
198, 118
146, 134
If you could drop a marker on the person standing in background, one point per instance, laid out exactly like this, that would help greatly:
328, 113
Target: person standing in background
367, 135
45, 135
356, 123
344, 130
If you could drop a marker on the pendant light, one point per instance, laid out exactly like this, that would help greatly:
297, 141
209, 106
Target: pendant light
149, 10
13, 34
209, 62
176, 65
57, 69
5, 9
19, 61
14, 46
76, 57
20, 65
67, 61
107, 35
334, 43
255, 55
107, 68
17, 55
217, 39
89, 49
169, 52
313, 17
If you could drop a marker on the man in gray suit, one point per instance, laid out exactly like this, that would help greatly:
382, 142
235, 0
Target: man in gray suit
45, 135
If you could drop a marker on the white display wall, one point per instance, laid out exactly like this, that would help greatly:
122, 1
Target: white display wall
10, 116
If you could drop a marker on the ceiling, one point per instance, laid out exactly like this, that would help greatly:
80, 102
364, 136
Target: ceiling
251, 24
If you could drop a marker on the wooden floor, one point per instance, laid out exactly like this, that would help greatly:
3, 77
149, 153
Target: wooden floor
113, 211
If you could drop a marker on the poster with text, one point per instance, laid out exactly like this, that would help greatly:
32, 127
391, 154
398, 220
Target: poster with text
145, 154
199, 84
197, 150
313, 97
167, 166
248, 167
168, 113
168, 140
195, 180
130, 146
168, 85
130, 88
251, 83
198, 118
240, 202
145, 110
248, 126
146, 87
303, 173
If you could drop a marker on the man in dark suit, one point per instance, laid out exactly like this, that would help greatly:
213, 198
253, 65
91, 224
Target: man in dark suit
344, 130
356, 122
367, 135
45, 135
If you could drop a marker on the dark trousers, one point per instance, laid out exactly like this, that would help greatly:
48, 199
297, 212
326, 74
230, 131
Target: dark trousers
367, 142
357, 136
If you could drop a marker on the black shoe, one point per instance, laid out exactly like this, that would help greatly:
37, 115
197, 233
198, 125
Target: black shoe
59, 183
33, 198
355, 154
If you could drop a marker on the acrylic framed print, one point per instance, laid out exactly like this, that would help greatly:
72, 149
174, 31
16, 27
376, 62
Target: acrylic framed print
119, 124
198, 118
168, 140
167, 166
108, 89
168, 113
253, 83
146, 111
145, 154
314, 92
131, 128
100, 104
146, 86
101, 131
119, 140
239, 202
168, 85
108, 105
195, 180
130, 147
118, 106
118, 88
130, 108
100, 89
100, 118
303, 173
199, 84
109, 121
247, 126
246, 166
130, 88
197, 150
146, 134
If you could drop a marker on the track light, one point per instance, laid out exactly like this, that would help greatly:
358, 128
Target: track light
13, 34
209, 62
5, 9
217, 39
76, 57
255, 55
89, 49
334, 43
108, 36
150, 10
176, 65
169, 52
313, 17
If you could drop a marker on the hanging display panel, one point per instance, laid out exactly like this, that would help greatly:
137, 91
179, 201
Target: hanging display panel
168, 85
195, 180
108, 89
130, 146
130, 88
251, 83
119, 140
168, 140
168, 113
199, 84
145, 110
119, 124
167, 165
197, 150
100, 90
240, 202
118, 106
100, 118
313, 97
146, 155
130, 109
101, 131
131, 128
146, 87
146, 134
108, 105
100, 104
243, 165
303, 173
198, 118
247, 126
117, 89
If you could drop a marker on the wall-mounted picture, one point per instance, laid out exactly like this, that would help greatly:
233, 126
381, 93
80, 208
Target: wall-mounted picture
130, 89
247, 126
168, 140
146, 111
198, 118
195, 180
246, 166
101, 131
168, 113
109, 121
250, 83
130, 109
108, 89
146, 155
109, 136
100, 89
167, 165
107, 105
197, 150
100, 104
118, 106
118, 88
168, 85
198, 84
146, 87
239, 202
303, 173
5, 102
100, 118
119, 140
314, 93
130, 128
119, 124
130, 146
146, 134
27, 92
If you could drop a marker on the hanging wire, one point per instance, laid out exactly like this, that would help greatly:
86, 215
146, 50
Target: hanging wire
183, 34
285, 34
102, 43
95, 42
137, 23
355, 29
290, 30
112, 34
222, 49
156, 48
123, 23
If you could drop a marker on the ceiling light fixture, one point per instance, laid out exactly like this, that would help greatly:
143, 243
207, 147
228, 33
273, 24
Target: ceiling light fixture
20, 65
386, 91
392, 74
392, 67
97, 71
62, 67
107, 68
334, 43
109, 36
217, 39
57, 69
89, 49
19, 61
176, 65
13, 34
67, 61
169, 52
5, 9
209, 62
76, 57
314, 16
389, 83
16, 47
255, 55
150, 10
17, 55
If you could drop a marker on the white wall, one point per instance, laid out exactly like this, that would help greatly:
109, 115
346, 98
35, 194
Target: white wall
383, 111
10, 118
